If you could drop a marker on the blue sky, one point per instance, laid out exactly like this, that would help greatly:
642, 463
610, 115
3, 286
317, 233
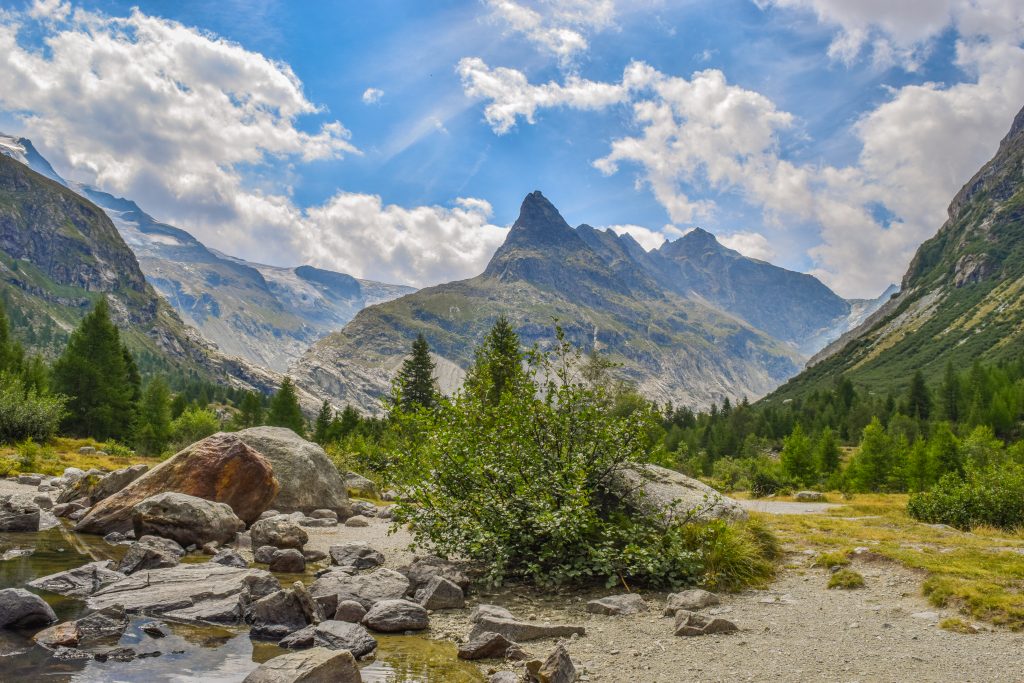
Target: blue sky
863, 120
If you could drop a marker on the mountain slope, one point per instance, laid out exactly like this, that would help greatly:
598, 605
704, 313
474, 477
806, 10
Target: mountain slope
672, 347
962, 298
264, 314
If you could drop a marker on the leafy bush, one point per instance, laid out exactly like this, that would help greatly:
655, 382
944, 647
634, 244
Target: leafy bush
192, 425
116, 449
522, 481
993, 496
27, 414
764, 484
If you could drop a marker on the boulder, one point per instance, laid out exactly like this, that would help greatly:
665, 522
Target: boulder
344, 635
95, 486
693, 624
150, 552
220, 468
105, 624
395, 616
309, 480
486, 646
277, 615
70, 476
288, 561
43, 501
80, 582
318, 665
186, 519
557, 668
366, 589
314, 615
314, 555
18, 513
280, 532
229, 558
492, 611
21, 609
361, 507
615, 605
809, 497
357, 521
689, 601
357, 483
523, 631
423, 569
66, 634
324, 514
298, 640
264, 554
349, 610
30, 479
441, 593
658, 490
357, 555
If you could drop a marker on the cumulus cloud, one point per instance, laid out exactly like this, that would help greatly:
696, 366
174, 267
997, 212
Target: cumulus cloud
202, 133
752, 244
645, 237
372, 95
559, 27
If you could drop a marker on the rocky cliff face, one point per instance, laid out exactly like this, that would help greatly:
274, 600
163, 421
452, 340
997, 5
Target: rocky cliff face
672, 344
961, 298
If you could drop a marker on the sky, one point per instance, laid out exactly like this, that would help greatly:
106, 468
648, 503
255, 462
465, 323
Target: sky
395, 139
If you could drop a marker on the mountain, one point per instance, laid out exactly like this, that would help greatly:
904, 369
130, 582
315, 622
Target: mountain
675, 319
264, 314
961, 299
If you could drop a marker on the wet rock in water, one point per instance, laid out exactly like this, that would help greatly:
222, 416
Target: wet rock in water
66, 634
80, 582
366, 589
486, 646
318, 665
30, 479
277, 615
67, 509
359, 484
395, 616
689, 601
21, 609
324, 514
523, 631
489, 611
15, 553
114, 537
311, 610
349, 610
302, 638
658, 490
627, 603
118, 654
70, 654
343, 635
264, 553
357, 521
809, 497
557, 668
309, 480
422, 569
107, 623
229, 558
154, 629
314, 555
279, 532
357, 555
18, 513
440, 593
186, 519
693, 624
150, 552
220, 468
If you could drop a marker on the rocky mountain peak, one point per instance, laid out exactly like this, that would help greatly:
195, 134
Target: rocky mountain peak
539, 220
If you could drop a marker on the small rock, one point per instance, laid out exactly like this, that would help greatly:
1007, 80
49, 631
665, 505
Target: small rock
154, 629
114, 537
301, 639
30, 479
627, 603
324, 514
486, 646
280, 532
343, 635
350, 610
210, 548
229, 558
314, 522
18, 513
809, 497
689, 601
357, 521
80, 582
267, 514
276, 615
557, 668
314, 555
264, 554
693, 624
394, 616
441, 593
358, 555
492, 611
66, 634
308, 666
43, 501
150, 552
288, 561
70, 654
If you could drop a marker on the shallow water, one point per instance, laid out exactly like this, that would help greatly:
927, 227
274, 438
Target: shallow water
190, 653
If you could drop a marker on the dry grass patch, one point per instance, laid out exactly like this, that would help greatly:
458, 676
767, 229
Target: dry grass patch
53, 457
846, 579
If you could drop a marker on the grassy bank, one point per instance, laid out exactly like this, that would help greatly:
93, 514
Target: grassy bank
52, 457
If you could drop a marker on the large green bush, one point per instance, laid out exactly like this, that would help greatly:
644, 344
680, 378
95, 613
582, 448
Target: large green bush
993, 496
522, 483
26, 413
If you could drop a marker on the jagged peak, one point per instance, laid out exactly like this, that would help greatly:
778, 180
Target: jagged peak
1016, 129
538, 217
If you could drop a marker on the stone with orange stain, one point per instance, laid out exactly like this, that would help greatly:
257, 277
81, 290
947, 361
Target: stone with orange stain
220, 468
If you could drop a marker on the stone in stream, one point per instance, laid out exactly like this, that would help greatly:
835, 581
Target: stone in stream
422, 569
114, 537
150, 552
357, 555
366, 589
15, 553
395, 616
154, 629
615, 605
108, 623
357, 521
317, 665
220, 468
657, 490
349, 610
264, 554
21, 609
693, 624
441, 593
344, 635
486, 646
557, 668
66, 634
523, 631
277, 615
70, 654
18, 513
186, 519
229, 558
309, 480
279, 532
689, 601
80, 582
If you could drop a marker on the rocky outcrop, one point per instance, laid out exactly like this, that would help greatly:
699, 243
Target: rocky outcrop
220, 468
309, 481
658, 490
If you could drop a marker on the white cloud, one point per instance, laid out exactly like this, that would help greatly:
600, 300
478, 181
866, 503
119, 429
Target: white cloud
372, 95
647, 238
556, 26
49, 9
752, 244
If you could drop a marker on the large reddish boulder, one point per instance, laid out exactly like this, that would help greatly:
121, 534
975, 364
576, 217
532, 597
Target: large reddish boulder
220, 468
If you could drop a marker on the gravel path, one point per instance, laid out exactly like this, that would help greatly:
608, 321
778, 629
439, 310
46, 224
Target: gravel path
779, 507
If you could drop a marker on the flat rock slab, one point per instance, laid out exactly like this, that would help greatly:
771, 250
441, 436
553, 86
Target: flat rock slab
80, 582
523, 631
343, 635
366, 589
614, 605
689, 601
318, 665
175, 589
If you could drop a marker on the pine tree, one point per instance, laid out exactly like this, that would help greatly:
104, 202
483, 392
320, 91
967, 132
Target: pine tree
873, 464
499, 362
919, 399
154, 432
251, 408
322, 426
97, 373
952, 394
919, 467
826, 451
285, 410
416, 378
11, 353
944, 451
797, 460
